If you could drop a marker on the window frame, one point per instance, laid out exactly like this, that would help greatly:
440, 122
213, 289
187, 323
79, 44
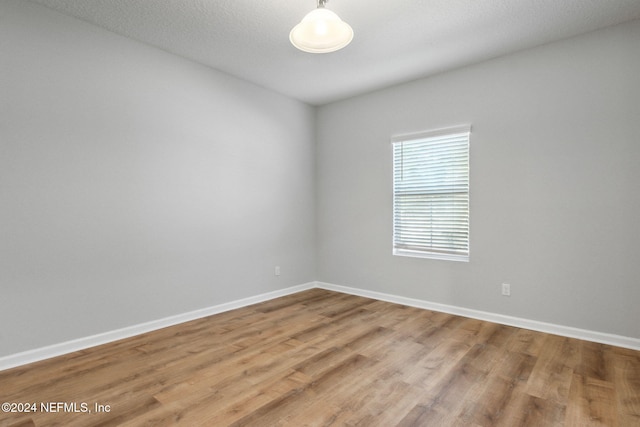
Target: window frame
421, 137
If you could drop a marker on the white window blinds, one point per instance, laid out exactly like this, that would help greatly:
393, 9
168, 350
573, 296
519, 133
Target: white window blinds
431, 194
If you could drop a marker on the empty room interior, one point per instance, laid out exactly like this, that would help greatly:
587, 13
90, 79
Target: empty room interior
406, 213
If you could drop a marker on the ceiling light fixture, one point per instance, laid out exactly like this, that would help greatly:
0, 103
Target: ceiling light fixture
321, 31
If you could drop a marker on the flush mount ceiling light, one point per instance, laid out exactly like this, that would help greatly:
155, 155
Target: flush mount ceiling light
321, 31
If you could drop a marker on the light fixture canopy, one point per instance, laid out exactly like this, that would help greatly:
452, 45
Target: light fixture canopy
321, 31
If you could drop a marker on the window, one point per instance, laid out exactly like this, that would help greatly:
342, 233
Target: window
431, 194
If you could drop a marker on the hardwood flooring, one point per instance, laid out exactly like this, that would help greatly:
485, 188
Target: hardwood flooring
322, 358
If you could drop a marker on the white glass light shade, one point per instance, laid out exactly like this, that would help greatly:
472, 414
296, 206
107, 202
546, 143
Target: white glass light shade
321, 31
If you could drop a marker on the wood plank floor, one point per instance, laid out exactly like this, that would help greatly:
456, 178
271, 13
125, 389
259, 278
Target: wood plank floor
322, 358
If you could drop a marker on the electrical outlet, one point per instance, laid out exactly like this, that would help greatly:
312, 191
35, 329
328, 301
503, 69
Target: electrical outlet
277, 270
506, 289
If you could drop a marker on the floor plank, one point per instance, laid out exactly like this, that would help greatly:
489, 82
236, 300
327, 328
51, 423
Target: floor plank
322, 358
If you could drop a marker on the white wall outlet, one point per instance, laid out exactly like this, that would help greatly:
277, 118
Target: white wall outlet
506, 289
277, 270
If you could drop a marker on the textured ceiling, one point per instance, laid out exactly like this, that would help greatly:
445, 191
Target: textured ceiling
395, 40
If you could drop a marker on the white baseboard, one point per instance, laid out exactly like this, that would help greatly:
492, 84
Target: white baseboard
54, 350
550, 328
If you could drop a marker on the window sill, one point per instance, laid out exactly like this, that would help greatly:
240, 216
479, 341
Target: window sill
431, 255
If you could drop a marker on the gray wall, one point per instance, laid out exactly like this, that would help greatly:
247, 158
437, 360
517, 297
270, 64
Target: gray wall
555, 173
135, 185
